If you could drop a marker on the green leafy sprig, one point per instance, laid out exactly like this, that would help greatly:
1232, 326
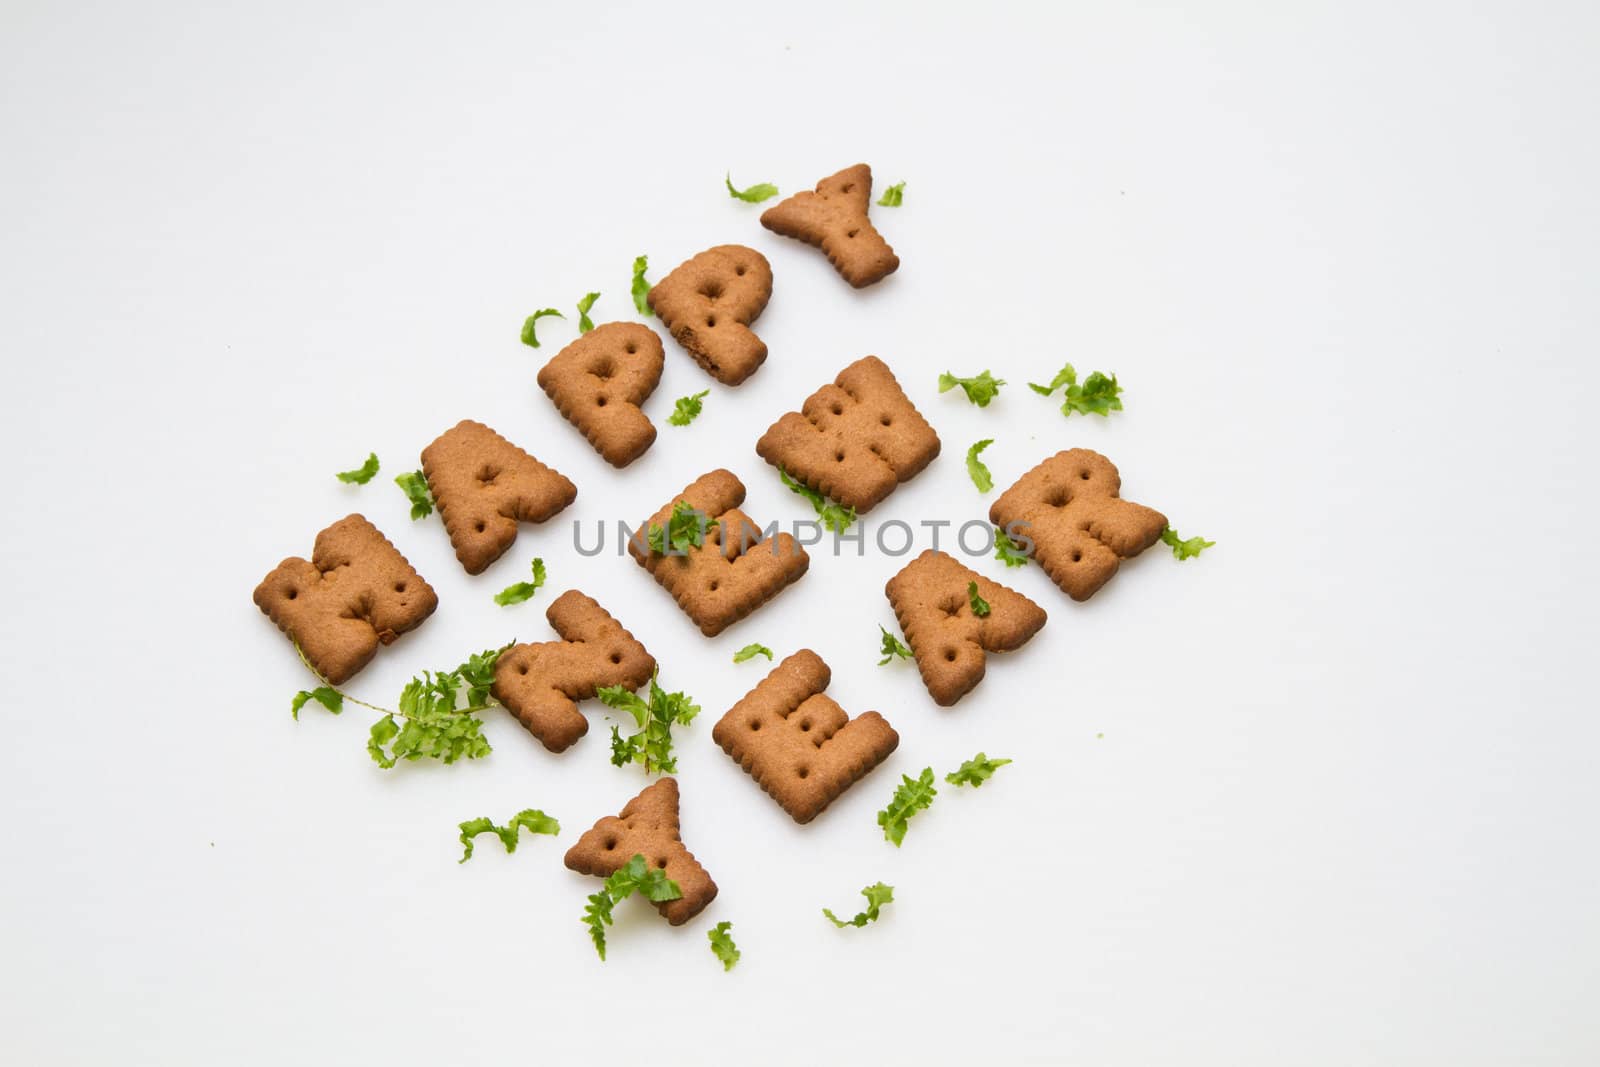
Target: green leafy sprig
975, 468
893, 196
722, 945
877, 895
652, 745
753, 195
1008, 551
891, 647
910, 796
640, 287
362, 474
980, 606
529, 337
686, 408
430, 722
1098, 395
531, 819
1184, 549
749, 652
835, 517
517, 592
325, 695
585, 323
980, 389
636, 876
975, 771
685, 528
415, 487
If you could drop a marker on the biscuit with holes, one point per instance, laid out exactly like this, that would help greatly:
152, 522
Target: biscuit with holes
648, 827
932, 601
708, 304
834, 219
598, 383
734, 571
356, 592
854, 440
542, 683
485, 485
1081, 528
800, 746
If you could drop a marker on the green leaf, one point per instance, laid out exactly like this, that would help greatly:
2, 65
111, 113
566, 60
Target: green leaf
431, 724
910, 796
624, 699
891, 647
517, 592
722, 945
585, 324
641, 288
753, 195
634, 876
415, 487
1063, 376
835, 517
975, 468
383, 731
531, 819
975, 771
597, 916
652, 745
1184, 549
751, 652
980, 390
980, 606
1098, 395
877, 896
528, 336
893, 195
1007, 551
686, 528
362, 474
685, 408
327, 696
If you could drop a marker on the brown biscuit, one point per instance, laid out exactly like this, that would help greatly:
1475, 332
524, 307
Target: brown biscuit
357, 591
541, 683
854, 440
1081, 529
648, 827
834, 218
797, 743
735, 571
930, 598
708, 304
485, 485
598, 382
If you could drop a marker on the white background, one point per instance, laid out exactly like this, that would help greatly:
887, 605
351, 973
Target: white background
1343, 257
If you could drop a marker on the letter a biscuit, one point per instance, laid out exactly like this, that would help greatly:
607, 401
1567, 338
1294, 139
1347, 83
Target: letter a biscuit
648, 827
485, 485
541, 683
1081, 528
931, 599
800, 746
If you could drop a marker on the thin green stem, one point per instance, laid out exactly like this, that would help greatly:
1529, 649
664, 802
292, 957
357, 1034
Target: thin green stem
472, 710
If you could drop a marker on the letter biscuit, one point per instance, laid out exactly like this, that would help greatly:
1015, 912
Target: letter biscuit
356, 592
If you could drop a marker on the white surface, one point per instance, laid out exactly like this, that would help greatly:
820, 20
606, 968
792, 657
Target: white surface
1343, 258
